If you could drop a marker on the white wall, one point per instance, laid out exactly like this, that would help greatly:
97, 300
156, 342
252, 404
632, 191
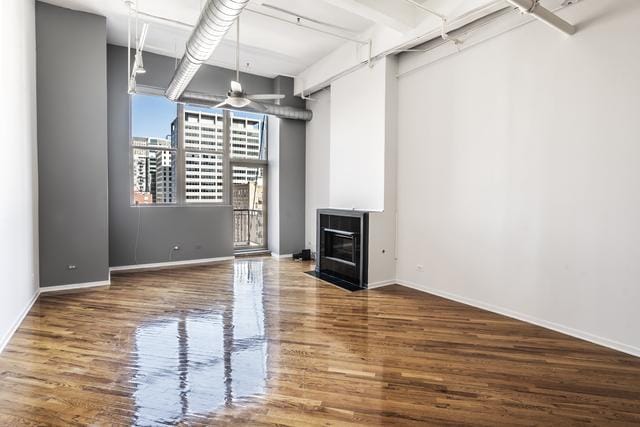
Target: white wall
351, 158
18, 209
519, 175
358, 139
382, 225
317, 163
273, 185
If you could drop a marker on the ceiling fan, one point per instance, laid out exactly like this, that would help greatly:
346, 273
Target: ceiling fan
238, 98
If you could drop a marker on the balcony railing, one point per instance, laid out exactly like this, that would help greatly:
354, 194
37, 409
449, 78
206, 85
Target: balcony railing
248, 228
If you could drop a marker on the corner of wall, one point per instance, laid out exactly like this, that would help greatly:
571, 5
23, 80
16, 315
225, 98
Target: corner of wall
273, 184
382, 225
19, 225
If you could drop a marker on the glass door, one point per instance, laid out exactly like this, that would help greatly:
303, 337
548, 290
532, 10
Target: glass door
248, 197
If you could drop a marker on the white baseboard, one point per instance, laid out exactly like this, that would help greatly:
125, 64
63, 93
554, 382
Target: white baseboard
278, 256
169, 264
75, 286
615, 345
249, 253
7, 337
381, 284
44, 290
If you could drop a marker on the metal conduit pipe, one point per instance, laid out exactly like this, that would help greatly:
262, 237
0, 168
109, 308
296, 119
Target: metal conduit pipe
533, 7
284, 112
216, 19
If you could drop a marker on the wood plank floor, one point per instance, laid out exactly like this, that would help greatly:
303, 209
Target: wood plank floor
257, 342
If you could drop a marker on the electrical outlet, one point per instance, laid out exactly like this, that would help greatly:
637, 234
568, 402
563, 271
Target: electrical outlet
419, 267
71, 267
176, 248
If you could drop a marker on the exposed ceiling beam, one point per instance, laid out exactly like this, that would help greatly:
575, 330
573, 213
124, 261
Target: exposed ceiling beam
386, 41
394, 14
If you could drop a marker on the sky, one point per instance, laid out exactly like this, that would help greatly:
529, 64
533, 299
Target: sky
152, 115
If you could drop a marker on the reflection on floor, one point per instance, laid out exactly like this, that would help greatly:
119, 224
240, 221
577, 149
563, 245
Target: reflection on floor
184, 366
258, 342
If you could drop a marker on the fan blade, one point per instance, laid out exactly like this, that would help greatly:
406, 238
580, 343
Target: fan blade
236, 87
257, 107
223, 104
266, 96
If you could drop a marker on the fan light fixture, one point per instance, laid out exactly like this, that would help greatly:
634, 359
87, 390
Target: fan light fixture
237, 101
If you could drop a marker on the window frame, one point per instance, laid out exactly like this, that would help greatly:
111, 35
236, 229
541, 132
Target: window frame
132, 201
255, 163
180, 152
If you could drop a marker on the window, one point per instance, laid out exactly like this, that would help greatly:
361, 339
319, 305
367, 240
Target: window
247, 136
178, 152
249, 213
248, 170
154, 150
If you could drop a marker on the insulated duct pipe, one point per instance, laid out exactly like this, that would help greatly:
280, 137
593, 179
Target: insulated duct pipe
216, 19
284, 112
533, 7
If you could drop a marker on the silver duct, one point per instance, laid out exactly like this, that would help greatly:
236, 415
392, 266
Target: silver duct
284, 112
216, 19
533, 7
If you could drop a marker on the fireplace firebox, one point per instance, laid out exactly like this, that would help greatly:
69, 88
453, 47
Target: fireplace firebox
343, 247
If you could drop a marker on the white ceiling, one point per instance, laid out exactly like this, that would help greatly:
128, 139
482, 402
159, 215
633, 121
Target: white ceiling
269, 46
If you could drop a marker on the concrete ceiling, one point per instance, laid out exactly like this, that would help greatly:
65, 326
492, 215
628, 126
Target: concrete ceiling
269, 46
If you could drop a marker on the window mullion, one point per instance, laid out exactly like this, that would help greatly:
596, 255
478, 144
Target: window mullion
226, 165
180, 168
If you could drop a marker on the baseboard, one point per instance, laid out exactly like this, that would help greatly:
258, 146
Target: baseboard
605, 342
240, 254
278, 256
75, 286
7, 337
381, 284
169, 264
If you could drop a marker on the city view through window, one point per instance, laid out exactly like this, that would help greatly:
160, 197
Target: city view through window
178, 157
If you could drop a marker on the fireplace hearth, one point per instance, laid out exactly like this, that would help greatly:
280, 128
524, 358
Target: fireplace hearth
342, 248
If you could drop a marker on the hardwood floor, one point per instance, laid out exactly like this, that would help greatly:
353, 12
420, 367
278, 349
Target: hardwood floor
257, 342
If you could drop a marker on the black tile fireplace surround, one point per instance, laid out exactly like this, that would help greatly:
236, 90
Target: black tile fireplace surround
343, 248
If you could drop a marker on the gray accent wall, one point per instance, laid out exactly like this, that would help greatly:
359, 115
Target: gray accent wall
287, 173
291, 180
209, 79
283, 84
202, 232
72, 146
286, 185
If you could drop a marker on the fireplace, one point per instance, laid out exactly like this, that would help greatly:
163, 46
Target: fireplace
342, 250
340, 246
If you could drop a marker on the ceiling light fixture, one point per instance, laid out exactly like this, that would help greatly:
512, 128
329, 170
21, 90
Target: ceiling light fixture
139, 65
306, 18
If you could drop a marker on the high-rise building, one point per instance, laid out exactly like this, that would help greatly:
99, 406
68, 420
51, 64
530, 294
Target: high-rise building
140, 165
153, 171
248, 195
245, 144
165, 182
203, 171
